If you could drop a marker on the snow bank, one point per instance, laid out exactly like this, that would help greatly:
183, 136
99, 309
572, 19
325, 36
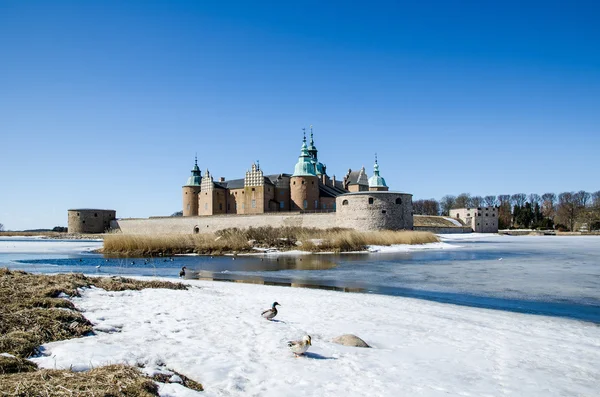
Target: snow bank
409, 248
454, 221
36, 246
467, 236
214, 334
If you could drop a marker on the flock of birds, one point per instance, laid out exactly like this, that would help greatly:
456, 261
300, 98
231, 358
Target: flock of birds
298, 347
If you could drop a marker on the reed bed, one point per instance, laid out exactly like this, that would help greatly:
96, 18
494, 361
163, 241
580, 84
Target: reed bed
31, 313
245, 240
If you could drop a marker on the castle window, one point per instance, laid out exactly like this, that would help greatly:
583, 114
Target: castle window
398, 200
493, 214
196, 230
78, 214
243, 205
281, 204
313, 182
468, 214
303, 181
205, 206
324, 206
305, 202
220, 206
82, 221
370, 200
333, 205
294, 182
457, 216
253, 203
486, 214
281, 192
316, 204
95, 215
383, 211
188, 207
228, 206
253, 189
345, 202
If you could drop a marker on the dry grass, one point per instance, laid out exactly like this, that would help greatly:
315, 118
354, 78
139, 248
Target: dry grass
112, 380
243, 240
32, 314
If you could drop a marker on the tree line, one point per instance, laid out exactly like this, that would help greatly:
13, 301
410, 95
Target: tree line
565, 211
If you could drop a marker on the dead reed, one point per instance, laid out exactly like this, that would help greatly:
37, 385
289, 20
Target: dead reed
244, 240
31, 313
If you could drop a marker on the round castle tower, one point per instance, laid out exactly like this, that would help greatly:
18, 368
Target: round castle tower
304, 183
190, 192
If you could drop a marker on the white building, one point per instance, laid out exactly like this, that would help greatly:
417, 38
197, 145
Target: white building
481, 220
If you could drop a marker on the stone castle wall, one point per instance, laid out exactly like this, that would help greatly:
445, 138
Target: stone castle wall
90, 220
209, 224
375, 211
362, 211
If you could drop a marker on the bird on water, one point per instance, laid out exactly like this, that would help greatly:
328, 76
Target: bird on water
182, 272
299, 347
270, 313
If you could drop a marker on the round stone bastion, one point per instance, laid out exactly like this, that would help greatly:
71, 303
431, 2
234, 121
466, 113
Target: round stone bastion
88, 220
372, 210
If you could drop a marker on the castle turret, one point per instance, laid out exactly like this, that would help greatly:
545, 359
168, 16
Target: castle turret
312, 151
376, 182
190, 192
304, 183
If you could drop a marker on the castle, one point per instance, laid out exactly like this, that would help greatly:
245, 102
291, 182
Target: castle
308, 189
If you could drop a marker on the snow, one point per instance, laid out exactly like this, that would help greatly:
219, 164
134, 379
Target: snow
213, 333
409, 248
467, 236
26, 246
454, 221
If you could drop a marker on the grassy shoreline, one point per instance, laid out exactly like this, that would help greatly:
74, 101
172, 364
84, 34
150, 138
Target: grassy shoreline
33, 311
247, 240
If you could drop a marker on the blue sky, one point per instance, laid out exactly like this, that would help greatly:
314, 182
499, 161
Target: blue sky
104, 104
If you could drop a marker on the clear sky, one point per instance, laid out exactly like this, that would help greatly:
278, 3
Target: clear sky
104, 104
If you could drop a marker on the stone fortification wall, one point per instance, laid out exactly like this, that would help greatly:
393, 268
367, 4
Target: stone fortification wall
90, 220
374, 211
209, 224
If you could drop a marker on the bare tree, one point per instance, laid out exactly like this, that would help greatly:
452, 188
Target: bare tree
463, 200
582, 198
476, 201
566, 211
1, 227
535, 199
418, 207
518, 199
596, 199
446, 204
431, 207
504, 213
548, 203
490, 201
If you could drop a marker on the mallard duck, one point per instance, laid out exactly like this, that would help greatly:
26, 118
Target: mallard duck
299, 347
182, 272
270, 313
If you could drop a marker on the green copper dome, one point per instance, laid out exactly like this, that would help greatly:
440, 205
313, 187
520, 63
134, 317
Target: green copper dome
196, 177
376, 180
304, 166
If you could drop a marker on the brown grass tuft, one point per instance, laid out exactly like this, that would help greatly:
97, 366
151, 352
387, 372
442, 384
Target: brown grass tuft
112, 380
244, 240
12, 365
31, 313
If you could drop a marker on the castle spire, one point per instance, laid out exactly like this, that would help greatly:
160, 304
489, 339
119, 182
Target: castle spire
376, 182
304, 166
194, 179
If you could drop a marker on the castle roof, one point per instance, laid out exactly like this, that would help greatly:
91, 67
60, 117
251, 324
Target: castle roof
356, 177
376, 180
330, 191
196, 177
305, 165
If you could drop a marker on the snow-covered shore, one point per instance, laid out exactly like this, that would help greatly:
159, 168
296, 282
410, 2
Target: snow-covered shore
213, 333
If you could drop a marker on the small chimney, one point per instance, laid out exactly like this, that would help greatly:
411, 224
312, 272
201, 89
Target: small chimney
222, 179
333, 180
